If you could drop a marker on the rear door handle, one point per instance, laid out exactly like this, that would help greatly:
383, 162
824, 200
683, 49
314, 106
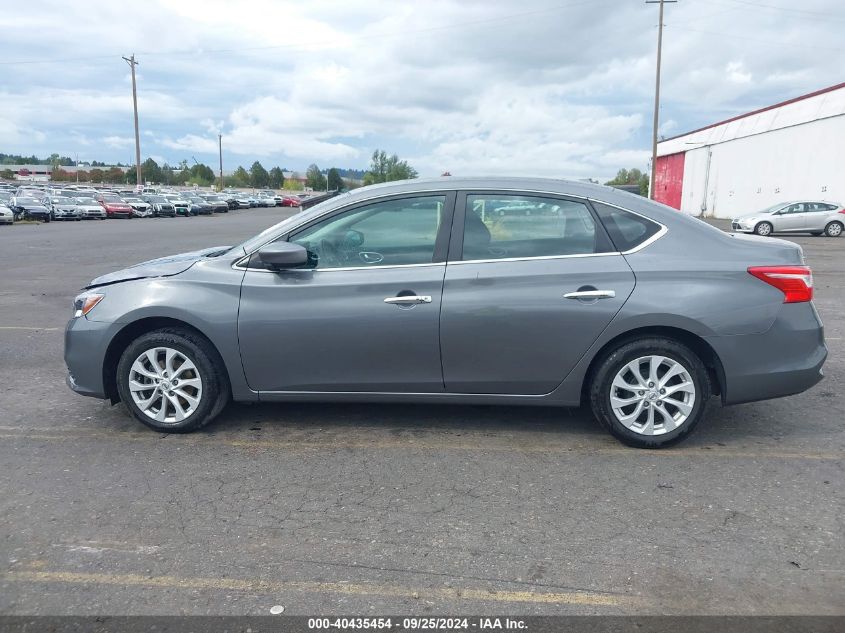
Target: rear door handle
408, 300
590, 294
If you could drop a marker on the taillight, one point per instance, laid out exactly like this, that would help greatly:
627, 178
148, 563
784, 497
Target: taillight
842, 210
795, 282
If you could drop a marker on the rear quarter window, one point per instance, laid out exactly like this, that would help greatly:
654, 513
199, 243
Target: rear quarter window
627, 230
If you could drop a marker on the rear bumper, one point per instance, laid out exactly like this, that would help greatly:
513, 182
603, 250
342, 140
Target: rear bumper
785, 360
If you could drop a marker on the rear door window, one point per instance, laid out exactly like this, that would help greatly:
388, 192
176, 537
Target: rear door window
500, 226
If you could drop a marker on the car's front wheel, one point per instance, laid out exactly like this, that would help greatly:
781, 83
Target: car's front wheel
764, 228
172, 380
833, 229
650, 392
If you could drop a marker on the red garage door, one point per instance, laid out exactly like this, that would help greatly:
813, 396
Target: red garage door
669, 179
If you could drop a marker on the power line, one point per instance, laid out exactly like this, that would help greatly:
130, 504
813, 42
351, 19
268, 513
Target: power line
745, 39
822, 14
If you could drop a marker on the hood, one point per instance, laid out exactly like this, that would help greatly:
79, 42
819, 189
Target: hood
116, 205
161, 267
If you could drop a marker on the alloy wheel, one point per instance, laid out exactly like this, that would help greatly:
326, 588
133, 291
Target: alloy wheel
652, 395
165, 385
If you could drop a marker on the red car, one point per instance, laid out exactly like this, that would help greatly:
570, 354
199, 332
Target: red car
114, 206
290, 201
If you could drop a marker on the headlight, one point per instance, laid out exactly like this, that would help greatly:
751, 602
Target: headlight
84, 303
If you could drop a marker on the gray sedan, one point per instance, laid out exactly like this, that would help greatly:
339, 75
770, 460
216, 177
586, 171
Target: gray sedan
485, 291
815, 218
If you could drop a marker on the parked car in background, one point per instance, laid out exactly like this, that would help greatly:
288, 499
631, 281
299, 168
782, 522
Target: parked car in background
816, 218
198, 206
140, 209
218, 204
161, 206
7, 216
596, 296
28, 208
269, 199
291, 201
64, 208
90, 209
115, 207
180, 204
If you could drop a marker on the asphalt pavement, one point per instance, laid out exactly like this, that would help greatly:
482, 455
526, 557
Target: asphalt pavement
374, 509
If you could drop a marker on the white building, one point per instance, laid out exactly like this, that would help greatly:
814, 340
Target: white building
788, 151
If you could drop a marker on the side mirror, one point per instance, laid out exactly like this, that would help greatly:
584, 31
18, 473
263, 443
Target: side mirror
282, 255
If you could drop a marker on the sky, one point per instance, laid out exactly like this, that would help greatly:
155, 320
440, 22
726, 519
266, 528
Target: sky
560, 88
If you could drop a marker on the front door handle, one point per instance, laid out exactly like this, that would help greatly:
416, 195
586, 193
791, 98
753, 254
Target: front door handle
590, 294
408, 300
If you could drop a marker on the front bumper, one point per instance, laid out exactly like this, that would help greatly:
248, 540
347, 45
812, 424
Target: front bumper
785, 360
739, 228
86, 343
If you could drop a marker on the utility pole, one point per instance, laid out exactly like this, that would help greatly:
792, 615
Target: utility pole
132, 63
656, 94
220, 143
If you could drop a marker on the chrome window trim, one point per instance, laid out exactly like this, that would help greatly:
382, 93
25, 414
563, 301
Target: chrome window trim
523, 259
340, 269
663, 228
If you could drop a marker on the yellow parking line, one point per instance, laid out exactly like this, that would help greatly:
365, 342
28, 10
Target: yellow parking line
421, 444
279, 587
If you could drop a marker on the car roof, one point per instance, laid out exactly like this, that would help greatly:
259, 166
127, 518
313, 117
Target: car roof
575, 188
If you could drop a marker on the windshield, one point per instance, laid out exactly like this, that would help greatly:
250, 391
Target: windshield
62, 200
111, 198
27, 201
774, 207
90, 201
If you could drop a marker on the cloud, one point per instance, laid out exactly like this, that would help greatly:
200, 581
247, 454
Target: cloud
547, 87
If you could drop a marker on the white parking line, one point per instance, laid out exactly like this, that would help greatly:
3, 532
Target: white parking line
36, 329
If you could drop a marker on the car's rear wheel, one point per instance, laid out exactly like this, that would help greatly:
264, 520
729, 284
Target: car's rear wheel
172, 380
763, 228
650, 392
833, 229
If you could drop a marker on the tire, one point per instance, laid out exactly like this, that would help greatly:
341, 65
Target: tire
616, 366
173, 411
833, 229
764, 229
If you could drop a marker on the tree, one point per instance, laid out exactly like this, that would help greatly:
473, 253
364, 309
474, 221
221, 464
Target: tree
258, 176
277, 178
150, 171
96, 175
202, 175
384, 168
632, 177
8, 174
314, 178
335, 182
113, 175
241, 177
